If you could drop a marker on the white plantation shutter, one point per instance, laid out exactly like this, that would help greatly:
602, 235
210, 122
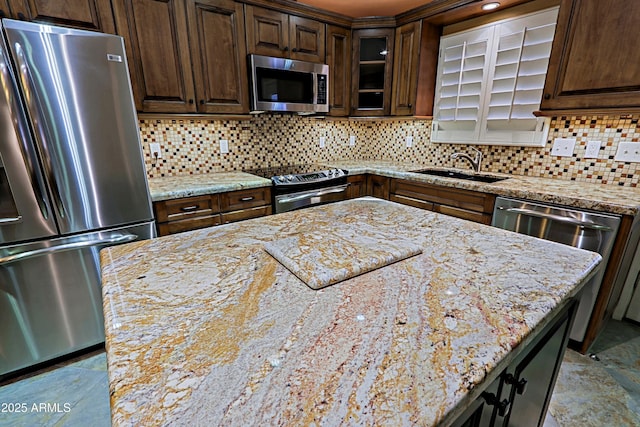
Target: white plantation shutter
514, 66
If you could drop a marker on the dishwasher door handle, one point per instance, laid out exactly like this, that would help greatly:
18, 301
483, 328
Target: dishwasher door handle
559, 218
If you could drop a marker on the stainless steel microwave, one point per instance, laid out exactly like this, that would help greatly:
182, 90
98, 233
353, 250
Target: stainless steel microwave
280, 84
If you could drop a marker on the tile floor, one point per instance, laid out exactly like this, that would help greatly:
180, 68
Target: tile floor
589, 392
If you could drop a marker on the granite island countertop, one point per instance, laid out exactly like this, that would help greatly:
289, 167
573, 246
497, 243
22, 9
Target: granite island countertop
206, 328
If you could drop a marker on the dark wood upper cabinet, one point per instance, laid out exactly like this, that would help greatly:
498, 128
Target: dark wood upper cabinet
405, 69
95, 15
272, 33
339, 61
593, 63
216, 31
371, 66
185, 56
157, 42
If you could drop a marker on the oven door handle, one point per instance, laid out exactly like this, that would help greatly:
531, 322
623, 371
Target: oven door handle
339, 189
565, 219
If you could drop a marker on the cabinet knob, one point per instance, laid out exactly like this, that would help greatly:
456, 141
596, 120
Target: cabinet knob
286, 48
2, 14
202, 102
503, 406
22, 17
410, 105
190, 101
547, 96
520, 385
294, 50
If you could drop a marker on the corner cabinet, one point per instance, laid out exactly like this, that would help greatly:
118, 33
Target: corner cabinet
163, 38
94, 15
274, 33
372, 63
593, 63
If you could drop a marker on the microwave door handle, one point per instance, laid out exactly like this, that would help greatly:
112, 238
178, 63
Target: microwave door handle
41, 135
23, 138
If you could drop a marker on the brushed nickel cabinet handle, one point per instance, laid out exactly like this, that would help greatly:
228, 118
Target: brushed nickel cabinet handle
189, 208
247, 199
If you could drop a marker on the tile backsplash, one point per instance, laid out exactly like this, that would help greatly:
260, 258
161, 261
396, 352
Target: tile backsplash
191, 146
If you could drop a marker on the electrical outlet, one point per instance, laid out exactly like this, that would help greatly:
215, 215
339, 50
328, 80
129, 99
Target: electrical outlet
224, 146
352, 140
592, 150
323, 142
628, 152
156, 153
563, 147
409, 141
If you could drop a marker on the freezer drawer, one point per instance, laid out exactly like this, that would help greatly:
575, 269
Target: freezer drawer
50, 296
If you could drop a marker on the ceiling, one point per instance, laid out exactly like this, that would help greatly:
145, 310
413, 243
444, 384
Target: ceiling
363, 8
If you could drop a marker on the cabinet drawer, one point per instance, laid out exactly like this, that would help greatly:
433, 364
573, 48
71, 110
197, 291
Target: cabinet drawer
246, 214
244, 199
482, 218
411, 202
172, 227
464, 199
185, 208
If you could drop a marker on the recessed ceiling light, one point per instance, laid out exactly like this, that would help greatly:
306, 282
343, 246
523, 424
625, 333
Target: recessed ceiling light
490, 6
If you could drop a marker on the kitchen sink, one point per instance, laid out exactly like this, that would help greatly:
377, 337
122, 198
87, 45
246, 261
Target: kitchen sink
460, 175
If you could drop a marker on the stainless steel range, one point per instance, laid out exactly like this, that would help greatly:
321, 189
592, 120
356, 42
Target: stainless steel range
301, 186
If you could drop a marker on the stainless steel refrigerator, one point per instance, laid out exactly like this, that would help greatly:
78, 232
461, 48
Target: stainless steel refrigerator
72, 181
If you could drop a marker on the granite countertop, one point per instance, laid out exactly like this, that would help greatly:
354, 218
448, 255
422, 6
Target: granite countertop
581, 195
206, 328
175, 187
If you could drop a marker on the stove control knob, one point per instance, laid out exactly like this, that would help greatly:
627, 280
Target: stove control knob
330, 172
289, 177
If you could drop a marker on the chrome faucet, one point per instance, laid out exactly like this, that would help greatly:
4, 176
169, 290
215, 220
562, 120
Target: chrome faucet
475, 163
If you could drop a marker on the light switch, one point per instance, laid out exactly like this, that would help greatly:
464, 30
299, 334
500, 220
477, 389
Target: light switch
323, 142
563, 147
628, 152
156, 153
352, 140
409, 141
592, 150
224, 146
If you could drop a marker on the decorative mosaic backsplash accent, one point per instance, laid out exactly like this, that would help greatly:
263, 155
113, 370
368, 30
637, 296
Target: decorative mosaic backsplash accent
192, 146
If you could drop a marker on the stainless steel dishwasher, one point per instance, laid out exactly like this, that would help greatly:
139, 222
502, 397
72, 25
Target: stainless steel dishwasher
586, 230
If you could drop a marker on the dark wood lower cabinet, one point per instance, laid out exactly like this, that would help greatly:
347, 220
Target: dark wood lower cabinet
191, 213
465, 204
378, 186
357, 186
520, 395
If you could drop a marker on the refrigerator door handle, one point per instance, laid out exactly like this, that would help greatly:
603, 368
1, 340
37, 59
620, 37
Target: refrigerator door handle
114, 240
13, 220
29, 162
31, 97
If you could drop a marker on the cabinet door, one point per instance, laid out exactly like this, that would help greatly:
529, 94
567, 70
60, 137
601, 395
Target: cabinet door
594, 58
357, 186
405, 69
267, 32
216, 31
378, 186
339, 61
83, 14
157, 44
371, 72
306, 37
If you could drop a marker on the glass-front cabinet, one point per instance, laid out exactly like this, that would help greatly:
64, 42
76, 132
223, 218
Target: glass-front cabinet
372, 66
